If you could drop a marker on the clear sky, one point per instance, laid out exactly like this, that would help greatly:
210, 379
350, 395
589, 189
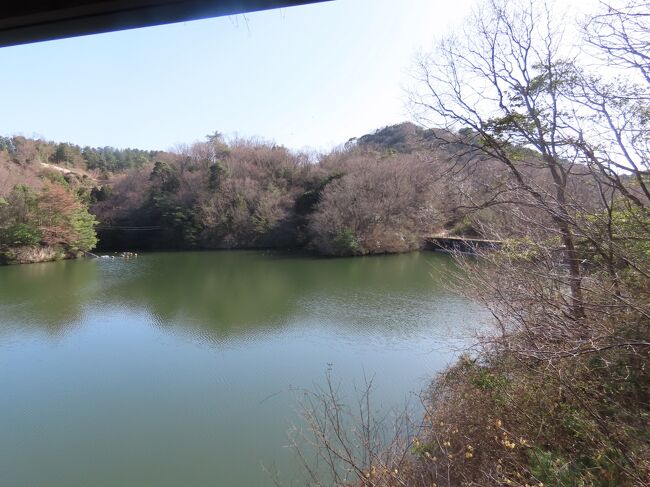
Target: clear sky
306, 77
310, 76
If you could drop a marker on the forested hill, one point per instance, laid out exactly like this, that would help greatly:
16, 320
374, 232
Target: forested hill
405, 138
22, 150
382, 192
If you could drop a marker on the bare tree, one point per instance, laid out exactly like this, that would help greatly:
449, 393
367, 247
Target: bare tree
381, 204
342, 444
504, 81
615, 136
619, 33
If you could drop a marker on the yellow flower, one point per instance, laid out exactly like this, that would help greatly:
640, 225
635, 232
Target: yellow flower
446, 443
510, 444
469, 455
498, 423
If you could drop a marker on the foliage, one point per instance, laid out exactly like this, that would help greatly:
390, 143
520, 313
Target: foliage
346, 243
102, 193
164, 178
217, 174
53, 218
83, 224
529, 426
307, 202
110, 159
20, 234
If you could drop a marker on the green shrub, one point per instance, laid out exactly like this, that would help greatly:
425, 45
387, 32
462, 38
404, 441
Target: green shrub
84, 226
552, 469
346, 243
486, 380
20, 234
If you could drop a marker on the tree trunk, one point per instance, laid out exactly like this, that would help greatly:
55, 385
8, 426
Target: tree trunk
572, 261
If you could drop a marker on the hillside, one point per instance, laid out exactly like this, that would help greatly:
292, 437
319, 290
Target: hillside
382, 192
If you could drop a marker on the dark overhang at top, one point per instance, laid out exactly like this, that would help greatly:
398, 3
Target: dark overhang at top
24, 21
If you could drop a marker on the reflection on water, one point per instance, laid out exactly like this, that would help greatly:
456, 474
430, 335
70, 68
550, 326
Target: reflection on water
49, 296
231, 293
156, 371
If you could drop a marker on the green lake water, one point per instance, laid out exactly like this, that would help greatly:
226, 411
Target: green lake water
180, 369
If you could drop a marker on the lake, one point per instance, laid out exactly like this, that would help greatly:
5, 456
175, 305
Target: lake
180, 369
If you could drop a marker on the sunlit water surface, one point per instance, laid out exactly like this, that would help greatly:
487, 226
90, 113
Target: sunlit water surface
180, 369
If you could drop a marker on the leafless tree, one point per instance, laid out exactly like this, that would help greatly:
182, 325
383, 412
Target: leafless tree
342, 443
504, 81
383, 202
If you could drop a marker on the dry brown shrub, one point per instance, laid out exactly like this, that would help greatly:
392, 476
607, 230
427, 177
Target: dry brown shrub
384, 202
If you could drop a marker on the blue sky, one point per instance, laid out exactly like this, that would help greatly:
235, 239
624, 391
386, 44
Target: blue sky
306, 77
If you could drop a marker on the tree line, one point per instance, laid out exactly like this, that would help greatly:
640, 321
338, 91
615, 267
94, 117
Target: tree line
247, 194
21, 150
383, 192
